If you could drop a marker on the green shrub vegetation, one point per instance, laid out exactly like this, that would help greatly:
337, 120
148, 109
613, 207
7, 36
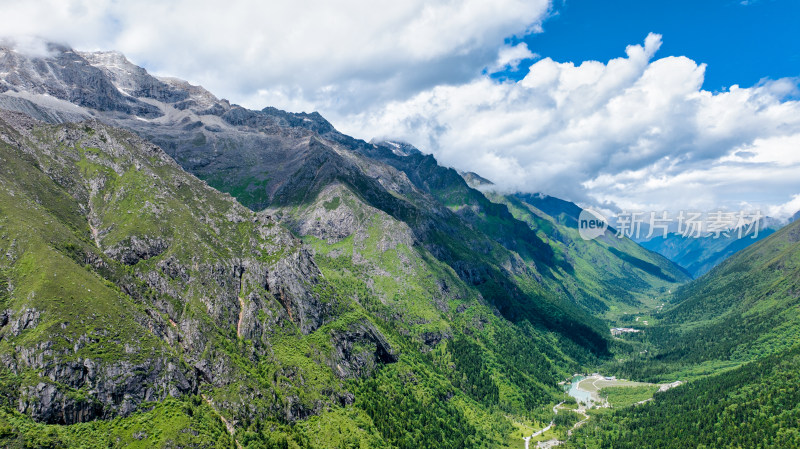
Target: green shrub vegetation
755, 406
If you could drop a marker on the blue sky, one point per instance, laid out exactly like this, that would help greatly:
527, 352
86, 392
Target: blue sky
741, 42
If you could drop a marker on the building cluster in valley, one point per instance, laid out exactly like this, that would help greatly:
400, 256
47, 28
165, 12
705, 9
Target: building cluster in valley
617, 331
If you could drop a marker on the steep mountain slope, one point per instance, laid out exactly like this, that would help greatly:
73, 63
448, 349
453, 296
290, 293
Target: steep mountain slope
615, 276
743, 309
510, 367
475, 180
625, 276
126, 280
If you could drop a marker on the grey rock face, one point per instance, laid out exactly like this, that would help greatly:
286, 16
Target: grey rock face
132, 79
289, 282
359, 350
67, 76
113, 389
53, 112
29, 318
133, 250
475, 180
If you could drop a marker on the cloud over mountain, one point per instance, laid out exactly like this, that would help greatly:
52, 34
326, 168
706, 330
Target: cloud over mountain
297, 55
634, 132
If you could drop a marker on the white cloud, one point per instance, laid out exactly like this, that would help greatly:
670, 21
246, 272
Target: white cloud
27, 45
327, 55
510, 56
787, 209
632, 133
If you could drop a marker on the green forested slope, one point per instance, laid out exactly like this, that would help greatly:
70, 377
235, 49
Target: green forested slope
735, 335
609, 275
141, 307
605, 277
506, 368
745, 308
755, 406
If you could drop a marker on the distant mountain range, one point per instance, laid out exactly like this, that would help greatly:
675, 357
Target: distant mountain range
698, 255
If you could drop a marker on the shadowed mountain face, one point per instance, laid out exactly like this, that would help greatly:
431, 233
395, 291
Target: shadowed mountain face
401, 269
610, 275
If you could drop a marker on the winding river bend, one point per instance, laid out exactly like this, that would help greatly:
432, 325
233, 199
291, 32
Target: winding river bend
579, 395
584, 399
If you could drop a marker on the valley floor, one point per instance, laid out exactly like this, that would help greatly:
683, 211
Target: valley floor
588, 395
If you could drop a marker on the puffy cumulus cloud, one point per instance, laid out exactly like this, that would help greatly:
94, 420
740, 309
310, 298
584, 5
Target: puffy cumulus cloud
632, 133
510, 56
311, 54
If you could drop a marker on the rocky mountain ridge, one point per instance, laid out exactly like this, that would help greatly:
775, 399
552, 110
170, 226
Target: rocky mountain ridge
191, 280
